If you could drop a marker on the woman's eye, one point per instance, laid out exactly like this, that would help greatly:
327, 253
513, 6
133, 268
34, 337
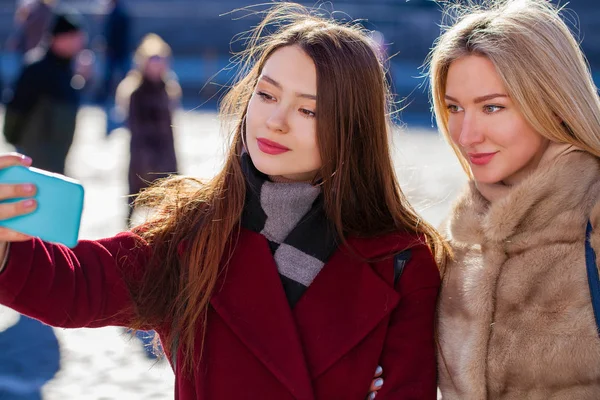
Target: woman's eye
490, 109
453, 108
265, 97
307, 113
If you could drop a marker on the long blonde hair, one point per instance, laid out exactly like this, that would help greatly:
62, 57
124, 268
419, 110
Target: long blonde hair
538, 59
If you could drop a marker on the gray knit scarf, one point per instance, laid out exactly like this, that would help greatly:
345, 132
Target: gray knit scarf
291, 217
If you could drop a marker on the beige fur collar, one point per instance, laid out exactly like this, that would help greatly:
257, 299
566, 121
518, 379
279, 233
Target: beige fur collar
554, 150
566, 183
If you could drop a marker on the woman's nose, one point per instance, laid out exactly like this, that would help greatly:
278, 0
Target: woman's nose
278, 121
471, 132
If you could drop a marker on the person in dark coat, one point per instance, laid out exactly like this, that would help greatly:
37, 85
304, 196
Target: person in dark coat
149, 93
40, 118
117, 31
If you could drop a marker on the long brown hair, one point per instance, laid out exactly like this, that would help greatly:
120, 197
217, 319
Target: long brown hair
361, 193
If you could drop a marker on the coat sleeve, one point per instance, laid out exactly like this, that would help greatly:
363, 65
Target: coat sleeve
73, 288
26, 94
408, 358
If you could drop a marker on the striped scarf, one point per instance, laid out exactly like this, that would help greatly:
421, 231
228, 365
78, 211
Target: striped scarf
292, 219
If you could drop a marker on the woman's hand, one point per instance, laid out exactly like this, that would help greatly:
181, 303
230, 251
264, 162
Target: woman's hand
8, 210
376, 384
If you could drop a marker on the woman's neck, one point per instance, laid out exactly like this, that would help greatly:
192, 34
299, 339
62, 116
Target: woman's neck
495, 191
282, 179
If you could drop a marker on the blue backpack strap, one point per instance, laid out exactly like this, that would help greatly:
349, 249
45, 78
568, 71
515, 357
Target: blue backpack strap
592, 274
400, 261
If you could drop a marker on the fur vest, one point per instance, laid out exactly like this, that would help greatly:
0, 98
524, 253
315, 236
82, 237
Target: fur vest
516, 319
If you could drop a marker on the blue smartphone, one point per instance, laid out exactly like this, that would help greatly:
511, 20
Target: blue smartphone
59, 205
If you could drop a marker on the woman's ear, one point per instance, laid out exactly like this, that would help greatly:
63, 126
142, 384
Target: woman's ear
562, 123
558, 119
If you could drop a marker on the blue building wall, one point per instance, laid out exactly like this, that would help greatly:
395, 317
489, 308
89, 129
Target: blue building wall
201, 32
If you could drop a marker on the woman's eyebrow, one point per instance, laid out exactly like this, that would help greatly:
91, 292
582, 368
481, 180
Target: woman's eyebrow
487, 97
479, 99
279, 86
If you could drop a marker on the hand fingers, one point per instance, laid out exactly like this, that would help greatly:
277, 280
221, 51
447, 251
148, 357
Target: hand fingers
378, 371
14, 209
376, 385
8, 235
9, 210
16, 191
10, 159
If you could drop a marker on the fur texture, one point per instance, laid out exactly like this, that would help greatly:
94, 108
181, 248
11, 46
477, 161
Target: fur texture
516, 319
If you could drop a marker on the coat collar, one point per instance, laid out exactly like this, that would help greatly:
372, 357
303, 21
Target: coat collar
530, 205
346, 301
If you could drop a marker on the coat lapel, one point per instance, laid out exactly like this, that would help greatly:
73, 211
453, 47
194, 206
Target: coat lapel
251, 301
345, 302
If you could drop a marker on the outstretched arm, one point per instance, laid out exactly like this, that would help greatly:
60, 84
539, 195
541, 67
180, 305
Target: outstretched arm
80, 287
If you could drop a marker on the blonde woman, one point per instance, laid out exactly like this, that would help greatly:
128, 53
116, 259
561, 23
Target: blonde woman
148, 96
513, 95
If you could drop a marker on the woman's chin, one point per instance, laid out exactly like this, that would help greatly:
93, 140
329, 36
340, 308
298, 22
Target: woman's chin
267, 168
486, 177
489, 180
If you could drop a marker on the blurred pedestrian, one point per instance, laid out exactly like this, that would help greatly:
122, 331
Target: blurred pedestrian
40, 118
117, 47
33, 21
148, 96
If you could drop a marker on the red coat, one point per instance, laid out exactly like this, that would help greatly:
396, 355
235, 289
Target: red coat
349, 320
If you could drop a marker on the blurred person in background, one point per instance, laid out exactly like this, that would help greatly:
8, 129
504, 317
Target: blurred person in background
117, 47
41, 116
148, 96
32, 21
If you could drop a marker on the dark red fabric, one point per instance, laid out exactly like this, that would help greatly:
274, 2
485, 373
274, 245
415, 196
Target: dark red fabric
349, 320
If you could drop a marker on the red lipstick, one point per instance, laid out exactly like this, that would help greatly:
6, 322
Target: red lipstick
481, 158
270, 147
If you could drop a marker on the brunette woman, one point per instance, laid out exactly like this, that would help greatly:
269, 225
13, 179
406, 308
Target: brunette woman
291, 274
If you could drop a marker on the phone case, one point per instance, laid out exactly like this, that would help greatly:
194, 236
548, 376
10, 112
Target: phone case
60, 204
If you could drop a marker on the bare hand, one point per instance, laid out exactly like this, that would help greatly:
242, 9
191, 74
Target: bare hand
24, 191
376, 384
